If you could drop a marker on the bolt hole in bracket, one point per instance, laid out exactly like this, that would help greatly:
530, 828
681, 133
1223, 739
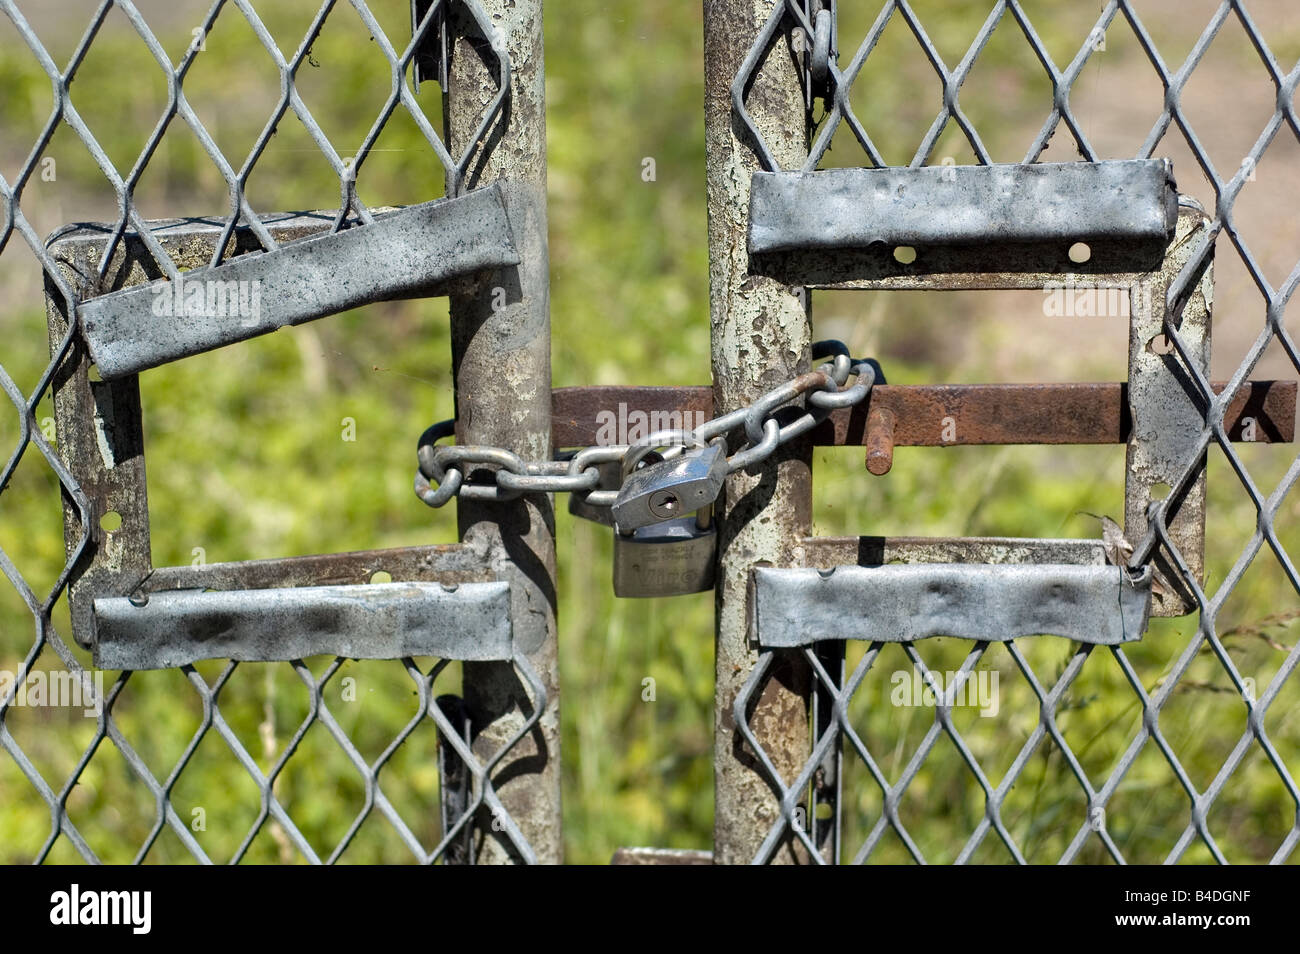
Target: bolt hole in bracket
1113, 224
441, 600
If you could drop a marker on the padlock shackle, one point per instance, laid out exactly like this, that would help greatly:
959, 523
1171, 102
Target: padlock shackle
673, 437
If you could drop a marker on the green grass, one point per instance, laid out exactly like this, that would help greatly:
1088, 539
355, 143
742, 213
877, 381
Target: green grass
247, 458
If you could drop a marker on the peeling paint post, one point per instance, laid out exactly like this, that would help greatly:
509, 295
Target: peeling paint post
761, 334
501, 356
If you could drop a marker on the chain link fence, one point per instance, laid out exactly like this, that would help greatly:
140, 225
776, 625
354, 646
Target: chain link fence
108, 546
1178, 746
1241, 702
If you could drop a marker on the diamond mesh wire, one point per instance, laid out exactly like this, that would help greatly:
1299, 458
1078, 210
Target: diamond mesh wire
57, 789
1153, 694
39, 749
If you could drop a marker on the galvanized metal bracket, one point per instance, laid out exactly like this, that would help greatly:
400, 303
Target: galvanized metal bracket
468, 621
1011, 227
400, 254
133, 614
1057, 204
1102, 605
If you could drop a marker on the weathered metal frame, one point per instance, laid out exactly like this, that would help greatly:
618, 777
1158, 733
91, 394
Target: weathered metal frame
1161, 398
770, 315
102, 445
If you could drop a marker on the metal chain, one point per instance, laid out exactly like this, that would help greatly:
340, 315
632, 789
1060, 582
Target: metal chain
443, 468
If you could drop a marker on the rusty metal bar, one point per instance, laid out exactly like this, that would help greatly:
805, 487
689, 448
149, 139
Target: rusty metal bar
981, 413
501, 355
881, 422
761, 334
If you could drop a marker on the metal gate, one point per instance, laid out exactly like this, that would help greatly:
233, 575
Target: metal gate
826, 646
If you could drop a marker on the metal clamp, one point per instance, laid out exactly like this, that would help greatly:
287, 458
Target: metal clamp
373, 621
401, 254
1144, 236
1063, 202
134, 615
1103, 605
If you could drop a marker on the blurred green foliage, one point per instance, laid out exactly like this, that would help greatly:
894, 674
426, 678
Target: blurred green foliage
248, 457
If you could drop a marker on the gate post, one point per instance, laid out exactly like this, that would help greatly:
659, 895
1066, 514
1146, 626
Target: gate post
760, 337
501, 357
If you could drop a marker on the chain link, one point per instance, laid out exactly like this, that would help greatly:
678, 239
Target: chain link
475, 472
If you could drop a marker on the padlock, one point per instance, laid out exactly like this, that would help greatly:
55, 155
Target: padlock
667, 559
670, 488
657, 553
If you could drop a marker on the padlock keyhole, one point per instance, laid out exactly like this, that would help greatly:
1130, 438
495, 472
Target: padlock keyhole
665, 504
